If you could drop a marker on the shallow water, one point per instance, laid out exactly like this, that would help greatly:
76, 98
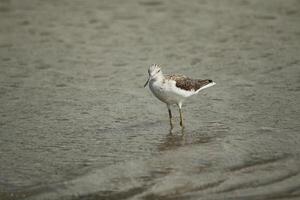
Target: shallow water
76, 122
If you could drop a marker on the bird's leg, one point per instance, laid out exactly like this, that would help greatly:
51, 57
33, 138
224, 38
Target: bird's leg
181, 120
170, 116
180, 112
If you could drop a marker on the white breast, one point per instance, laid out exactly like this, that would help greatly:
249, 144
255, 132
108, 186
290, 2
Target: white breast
167, 92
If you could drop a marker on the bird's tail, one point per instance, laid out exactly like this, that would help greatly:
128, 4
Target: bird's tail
208, 84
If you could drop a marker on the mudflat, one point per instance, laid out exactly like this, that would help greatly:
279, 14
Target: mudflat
76, 122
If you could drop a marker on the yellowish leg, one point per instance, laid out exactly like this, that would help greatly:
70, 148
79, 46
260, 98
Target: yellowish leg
170, 116
181, 120
180, 113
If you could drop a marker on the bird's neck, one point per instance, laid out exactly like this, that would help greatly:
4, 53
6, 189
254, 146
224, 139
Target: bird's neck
158, 77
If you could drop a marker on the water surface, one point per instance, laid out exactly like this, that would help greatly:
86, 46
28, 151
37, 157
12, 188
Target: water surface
76, 122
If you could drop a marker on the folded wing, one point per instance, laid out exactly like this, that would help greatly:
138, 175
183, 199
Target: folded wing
187, 83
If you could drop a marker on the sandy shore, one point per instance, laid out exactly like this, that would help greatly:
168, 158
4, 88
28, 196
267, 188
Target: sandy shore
76, 122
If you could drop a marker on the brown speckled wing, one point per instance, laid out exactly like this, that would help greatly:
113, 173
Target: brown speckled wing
187, 83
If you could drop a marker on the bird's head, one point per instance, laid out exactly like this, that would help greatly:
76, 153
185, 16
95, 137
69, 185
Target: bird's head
153, 71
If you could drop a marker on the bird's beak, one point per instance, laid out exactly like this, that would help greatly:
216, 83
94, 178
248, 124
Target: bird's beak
147, 82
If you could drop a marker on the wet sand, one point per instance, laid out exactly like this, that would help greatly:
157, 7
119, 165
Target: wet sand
76, 122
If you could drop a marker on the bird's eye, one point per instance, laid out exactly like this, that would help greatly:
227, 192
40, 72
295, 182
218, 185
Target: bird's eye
158, 71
